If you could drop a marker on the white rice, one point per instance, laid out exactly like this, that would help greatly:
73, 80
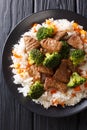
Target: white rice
47, 98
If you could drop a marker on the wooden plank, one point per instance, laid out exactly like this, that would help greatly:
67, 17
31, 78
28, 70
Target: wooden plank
12, 115
82, 7
46, 123
54, 4
82, 120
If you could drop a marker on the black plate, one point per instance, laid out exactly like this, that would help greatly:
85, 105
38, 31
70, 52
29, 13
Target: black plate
14, 36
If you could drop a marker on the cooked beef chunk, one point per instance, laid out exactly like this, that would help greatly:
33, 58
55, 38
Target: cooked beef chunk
43, 77
51, 45
33, 72
59, 35
75, 41
63, 72
52, 83
30, 43
71, 67
45, 70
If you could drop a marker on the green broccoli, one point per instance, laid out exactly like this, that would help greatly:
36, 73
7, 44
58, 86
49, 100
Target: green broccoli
65, 50
44, 32
52, 60
36, 90
35, 56
77, 56
75, 80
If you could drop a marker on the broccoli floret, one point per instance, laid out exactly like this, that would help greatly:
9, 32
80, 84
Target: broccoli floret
44, 32
75, 80
77, 56
35, 56
52, 60
36, 90
65, 50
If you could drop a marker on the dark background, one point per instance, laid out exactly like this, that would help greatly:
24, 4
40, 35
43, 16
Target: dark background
13, 116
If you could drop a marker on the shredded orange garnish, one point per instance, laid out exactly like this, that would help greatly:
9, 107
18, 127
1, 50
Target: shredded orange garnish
56, 102
85, 40
35, 30
28, 65
35, 24
16, 65
83, 31
55, 29
75, 25
77, 88
73, 94
16, 55
20, 70
53, 91
48, 22
22, 75
85, 85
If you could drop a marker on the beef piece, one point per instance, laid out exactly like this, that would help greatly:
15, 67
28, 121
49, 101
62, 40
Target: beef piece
59, 35
33, 72
63, 72
30, 43
52, 83
51, 45
45, 70
75, 41
43, 77
71, 66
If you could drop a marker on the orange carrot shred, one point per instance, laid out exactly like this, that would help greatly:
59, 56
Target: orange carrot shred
16, 55
85, 85
35, 24
77, 88
53, 91
73, 94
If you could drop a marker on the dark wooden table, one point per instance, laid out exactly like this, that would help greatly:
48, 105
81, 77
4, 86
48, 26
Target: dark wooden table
12, 115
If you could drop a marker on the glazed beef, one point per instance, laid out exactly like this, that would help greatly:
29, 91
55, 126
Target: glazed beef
30, 43
45, 70
59, 35
75, 41
71, 67
52, 83
63, 72
33, 72
51, 45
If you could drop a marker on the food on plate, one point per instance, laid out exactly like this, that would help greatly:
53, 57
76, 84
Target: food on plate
44, 32
77, 56
76, 80
50, 63
36, 90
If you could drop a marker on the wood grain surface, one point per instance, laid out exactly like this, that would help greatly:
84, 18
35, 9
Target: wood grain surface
12, 115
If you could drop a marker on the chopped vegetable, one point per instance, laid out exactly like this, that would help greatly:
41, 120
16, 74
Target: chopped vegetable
77, 88
44, 32
75, 80
16, 55
36, 90
36, 56
52, 60
77, 56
